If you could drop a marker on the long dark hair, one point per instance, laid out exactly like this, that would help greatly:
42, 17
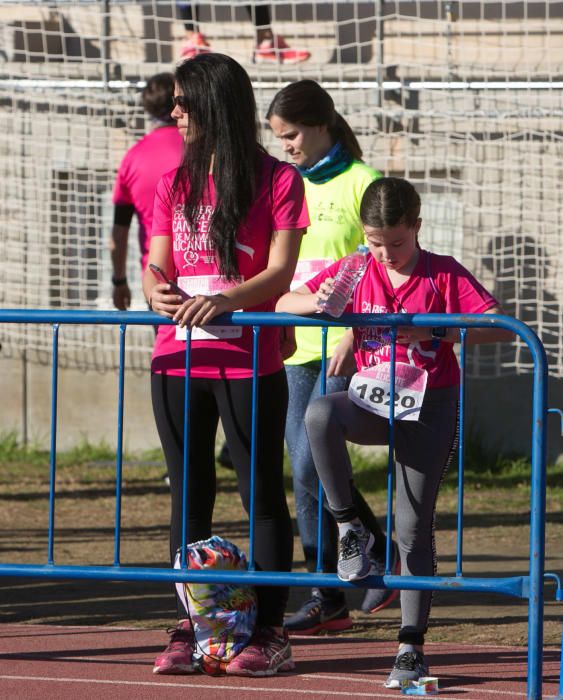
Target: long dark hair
306, 102
388, 202
222, 123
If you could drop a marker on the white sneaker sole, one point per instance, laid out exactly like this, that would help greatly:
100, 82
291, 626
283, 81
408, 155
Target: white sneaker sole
288, 665
179, 670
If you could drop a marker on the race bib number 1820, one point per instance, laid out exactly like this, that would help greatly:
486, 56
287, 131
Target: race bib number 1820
371, 389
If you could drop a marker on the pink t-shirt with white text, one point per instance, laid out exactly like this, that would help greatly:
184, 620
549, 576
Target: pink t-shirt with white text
457, 292
279, 205
139, 173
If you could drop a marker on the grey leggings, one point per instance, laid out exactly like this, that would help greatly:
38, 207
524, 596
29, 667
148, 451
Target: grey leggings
423, 452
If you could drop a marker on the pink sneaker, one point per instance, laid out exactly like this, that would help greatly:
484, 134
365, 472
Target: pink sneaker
277, 51
197, 43
177, 657
266, 654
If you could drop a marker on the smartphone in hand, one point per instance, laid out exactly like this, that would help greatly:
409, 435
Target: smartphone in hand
161, 277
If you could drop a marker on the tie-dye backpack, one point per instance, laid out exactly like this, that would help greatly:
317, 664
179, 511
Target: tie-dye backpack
222, 614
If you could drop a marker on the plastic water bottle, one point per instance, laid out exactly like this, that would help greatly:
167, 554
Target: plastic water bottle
347, 277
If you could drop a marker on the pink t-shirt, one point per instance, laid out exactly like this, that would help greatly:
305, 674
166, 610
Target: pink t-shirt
141, 168
279, 205
458, 292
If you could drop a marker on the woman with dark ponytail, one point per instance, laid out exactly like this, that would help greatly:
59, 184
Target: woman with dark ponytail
227, 227
327, 154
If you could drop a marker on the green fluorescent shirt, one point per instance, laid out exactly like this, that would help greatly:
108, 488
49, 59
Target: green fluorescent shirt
335, 231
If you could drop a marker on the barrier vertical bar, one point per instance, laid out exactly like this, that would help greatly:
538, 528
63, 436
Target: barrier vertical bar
53, 446
390, 458
529, 586
324, 335
255, 378
461, 453
561, 671
119, 452
537, 517
320, 492
186, 452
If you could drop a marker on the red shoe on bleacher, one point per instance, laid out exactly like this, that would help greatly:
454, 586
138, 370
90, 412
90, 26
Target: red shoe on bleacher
195, 45
276, 50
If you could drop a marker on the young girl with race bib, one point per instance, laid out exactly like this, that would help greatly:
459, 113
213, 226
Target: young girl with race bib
227, 227
400, 278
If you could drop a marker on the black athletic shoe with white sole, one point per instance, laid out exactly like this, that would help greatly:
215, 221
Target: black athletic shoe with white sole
319, 614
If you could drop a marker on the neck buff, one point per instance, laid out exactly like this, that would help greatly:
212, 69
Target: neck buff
335, 162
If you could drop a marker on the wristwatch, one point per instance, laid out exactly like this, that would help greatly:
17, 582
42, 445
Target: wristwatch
437, 334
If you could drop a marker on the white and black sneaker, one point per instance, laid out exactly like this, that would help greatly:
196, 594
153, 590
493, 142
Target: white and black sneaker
408, 666
353, 560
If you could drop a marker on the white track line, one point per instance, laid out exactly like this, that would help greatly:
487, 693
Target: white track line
254, 689
453, 688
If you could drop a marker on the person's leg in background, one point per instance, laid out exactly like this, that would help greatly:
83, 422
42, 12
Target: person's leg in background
270, 47
326, 609
224, 457
194, 42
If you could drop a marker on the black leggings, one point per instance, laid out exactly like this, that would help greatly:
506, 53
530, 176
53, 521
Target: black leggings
230, 400
259, 14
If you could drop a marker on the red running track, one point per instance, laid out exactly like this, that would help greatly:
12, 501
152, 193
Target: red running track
99, 663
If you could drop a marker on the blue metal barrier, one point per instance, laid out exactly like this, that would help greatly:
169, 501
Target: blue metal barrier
529, 587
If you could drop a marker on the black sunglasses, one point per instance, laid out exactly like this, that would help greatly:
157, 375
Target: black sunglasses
181, 102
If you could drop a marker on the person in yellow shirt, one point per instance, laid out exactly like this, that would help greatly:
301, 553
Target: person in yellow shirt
326, 152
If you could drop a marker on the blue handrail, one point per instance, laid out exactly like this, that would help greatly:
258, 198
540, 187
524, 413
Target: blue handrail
530, 587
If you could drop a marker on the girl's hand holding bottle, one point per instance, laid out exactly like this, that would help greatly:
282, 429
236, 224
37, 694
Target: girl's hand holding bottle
323, 293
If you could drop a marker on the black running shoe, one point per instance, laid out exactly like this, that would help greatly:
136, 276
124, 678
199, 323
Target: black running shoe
319, 614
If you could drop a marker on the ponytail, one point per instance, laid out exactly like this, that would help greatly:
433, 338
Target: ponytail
306, 102
342, 131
